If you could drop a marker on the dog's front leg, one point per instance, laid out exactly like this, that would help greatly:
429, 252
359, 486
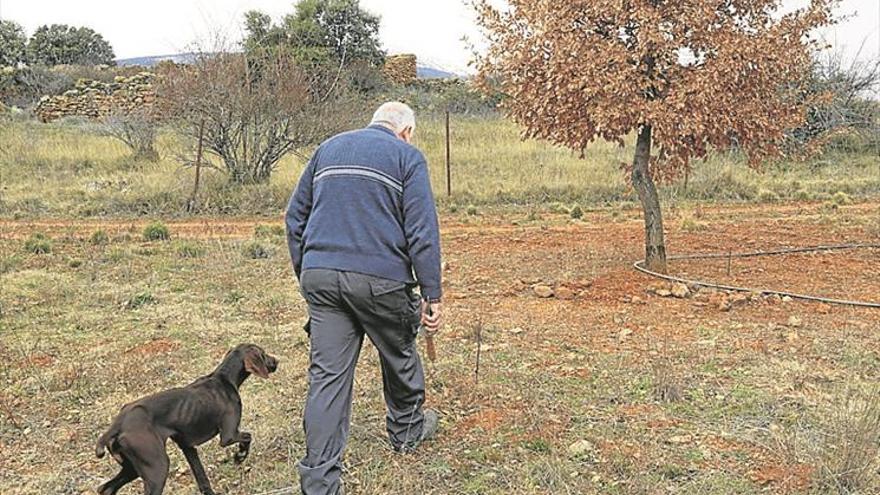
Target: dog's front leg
229, 434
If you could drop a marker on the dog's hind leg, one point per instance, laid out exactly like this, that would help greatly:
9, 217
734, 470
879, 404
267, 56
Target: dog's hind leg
146, 451
198, 471
126, 475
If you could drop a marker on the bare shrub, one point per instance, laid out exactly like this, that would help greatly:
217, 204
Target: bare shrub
256, 108
136, 129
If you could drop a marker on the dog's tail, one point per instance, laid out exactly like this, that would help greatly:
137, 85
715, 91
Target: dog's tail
105, 440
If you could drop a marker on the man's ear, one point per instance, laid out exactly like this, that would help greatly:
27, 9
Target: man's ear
255, 364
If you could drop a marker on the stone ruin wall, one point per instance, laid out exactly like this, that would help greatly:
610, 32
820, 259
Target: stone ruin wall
96, 99
401, 69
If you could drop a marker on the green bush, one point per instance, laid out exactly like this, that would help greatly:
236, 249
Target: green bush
472, 211
156, 231
38, 244
99, 237
256, 251
190, 250
576, 212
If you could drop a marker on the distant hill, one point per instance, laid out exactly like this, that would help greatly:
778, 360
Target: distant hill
179, 58
425, 71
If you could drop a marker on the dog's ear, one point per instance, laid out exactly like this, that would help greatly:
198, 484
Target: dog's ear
255, 363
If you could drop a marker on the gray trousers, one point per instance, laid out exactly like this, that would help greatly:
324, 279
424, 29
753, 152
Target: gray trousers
344, 306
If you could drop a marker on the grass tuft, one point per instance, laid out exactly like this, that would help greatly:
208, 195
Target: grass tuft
38, 244
576, 212
157, 231
99, 237
140, 300
256, 251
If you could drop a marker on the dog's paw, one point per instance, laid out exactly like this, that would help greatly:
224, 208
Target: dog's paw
242, 453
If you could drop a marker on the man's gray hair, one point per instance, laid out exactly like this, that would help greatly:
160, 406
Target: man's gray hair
395, 116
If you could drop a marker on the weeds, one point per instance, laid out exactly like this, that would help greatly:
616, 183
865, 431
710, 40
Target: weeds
190, 250
264, 231
576, 212
849, 461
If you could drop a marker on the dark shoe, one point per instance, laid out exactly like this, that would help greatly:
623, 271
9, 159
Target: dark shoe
430, 425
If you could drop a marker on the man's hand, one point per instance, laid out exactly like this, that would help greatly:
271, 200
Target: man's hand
432, 316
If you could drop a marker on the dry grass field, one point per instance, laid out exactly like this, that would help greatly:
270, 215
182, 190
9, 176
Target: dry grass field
66, 170
611, 389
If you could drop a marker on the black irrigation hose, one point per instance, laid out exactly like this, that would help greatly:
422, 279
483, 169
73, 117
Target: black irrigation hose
640, 266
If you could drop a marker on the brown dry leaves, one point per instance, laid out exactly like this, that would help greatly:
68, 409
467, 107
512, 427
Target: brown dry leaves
703, 73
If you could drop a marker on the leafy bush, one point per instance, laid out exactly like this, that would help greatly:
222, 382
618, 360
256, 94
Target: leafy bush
576, 212
157, 231
472, 211
38, 244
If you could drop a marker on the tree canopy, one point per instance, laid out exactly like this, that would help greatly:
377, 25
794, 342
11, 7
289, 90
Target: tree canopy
320, 31
12, 43
61, 44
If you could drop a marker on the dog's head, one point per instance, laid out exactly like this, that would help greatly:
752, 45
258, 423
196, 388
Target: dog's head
255, 360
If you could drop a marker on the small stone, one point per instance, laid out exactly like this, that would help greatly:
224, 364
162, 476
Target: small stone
543, 291
626, 332
795, 322
516, 331
637, 300
787, 299
680, 439
680, 291
565, 293
663, 292
580, 448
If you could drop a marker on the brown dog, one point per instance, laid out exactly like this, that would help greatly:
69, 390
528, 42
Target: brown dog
190, 416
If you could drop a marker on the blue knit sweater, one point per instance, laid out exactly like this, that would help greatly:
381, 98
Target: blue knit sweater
364, 204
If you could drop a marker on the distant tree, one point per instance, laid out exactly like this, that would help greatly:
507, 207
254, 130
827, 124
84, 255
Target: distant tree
12, 43
684, 75
61, 44
849, 87
320, 31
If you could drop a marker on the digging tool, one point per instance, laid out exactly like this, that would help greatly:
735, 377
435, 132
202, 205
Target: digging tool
429, 338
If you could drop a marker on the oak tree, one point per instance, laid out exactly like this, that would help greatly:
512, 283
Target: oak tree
686, 76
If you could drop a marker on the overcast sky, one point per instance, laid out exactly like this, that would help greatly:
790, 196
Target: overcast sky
433, 29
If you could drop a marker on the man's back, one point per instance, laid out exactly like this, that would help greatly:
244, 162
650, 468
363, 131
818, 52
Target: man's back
364, 204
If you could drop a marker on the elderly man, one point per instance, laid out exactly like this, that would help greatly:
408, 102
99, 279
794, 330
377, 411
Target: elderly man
360, 222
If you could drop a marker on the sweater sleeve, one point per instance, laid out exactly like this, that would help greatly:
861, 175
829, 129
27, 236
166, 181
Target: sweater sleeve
298, 211
422, 230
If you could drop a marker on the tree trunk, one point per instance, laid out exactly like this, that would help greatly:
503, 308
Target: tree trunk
655, 246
